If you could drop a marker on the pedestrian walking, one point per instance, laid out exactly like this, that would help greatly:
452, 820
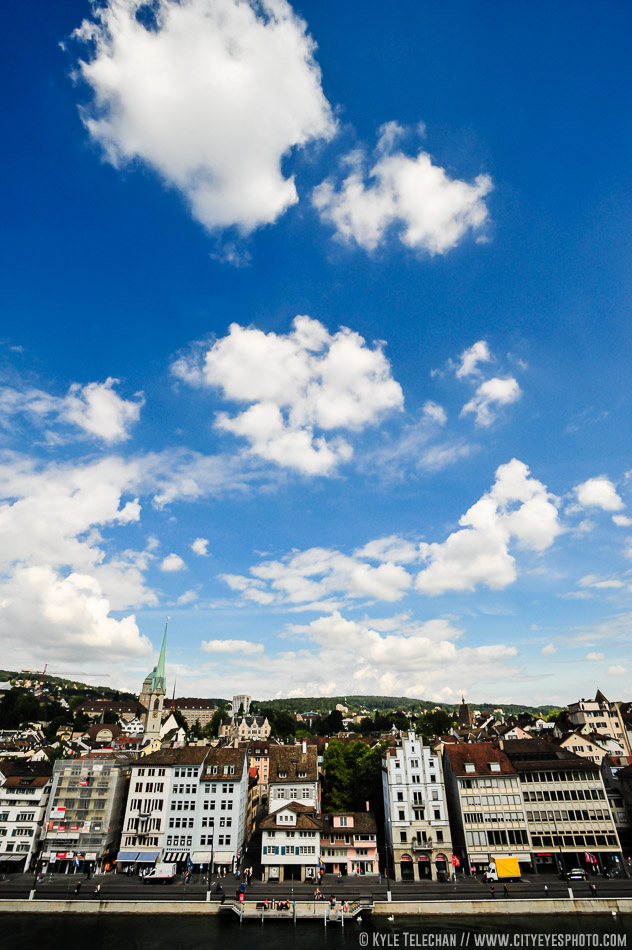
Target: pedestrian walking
546, 890
505, 891
492, 892
593, 890
78, 887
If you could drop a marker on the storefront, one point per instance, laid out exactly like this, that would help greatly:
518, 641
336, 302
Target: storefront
441, 863
407, 868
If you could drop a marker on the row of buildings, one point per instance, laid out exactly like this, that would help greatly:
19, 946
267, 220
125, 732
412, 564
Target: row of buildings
553, 796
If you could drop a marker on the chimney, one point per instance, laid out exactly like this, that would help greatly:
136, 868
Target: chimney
304, 746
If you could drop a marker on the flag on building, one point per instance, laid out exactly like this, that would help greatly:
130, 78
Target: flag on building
456, 862
590, 857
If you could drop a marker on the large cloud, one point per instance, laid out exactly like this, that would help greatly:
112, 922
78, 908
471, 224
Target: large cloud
429, 210
211, 94
95, 408
297, 383
320, 576
57, 586
517, 507
385, 656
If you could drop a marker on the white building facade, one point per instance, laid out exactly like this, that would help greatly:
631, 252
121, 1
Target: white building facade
415, 809
24, 791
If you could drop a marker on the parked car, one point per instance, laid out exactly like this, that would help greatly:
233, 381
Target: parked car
576, 874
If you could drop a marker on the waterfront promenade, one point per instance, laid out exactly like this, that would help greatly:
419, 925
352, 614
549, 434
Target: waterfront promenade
119, 892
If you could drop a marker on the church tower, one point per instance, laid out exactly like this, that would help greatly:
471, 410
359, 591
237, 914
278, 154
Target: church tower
152, 695
465, 719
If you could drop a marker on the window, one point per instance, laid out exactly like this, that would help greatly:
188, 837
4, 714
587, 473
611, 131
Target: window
402, 836
402, 815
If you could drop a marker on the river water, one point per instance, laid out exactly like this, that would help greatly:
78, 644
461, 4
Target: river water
143, 932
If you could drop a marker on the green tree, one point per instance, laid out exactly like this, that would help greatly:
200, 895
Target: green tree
435, 723
18, 708
336, 778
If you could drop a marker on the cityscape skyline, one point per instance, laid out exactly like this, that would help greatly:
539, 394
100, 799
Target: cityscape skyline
324, 357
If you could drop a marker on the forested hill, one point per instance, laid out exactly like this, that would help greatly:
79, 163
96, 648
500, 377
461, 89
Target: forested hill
371, 704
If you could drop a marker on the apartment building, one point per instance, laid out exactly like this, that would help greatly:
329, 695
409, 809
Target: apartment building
415, 809
84, 813
566, 807
24, 791
487, 816
186, 805
601, 716
293, 777
290, 843
258, 753
348, 844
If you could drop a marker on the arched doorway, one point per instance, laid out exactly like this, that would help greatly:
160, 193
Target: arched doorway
424, 867
407, 868
442, 867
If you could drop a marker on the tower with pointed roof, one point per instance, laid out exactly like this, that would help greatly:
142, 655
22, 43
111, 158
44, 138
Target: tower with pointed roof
152, 695
465, 719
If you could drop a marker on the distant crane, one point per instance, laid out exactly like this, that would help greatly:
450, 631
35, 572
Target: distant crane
42, 674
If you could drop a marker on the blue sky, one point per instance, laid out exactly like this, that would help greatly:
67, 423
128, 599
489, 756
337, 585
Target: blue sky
315, 338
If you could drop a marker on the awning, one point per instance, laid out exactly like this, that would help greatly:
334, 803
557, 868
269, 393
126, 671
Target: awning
12, 857
175, 856
224, 857
202, 857
146, 857
127, 855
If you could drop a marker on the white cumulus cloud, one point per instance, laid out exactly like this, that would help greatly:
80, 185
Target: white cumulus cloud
517, 507
429, 210
470, 359
96, 408
548, 650
598, 492
210, 94
298, 384
489, 397
594, 657
172, 563
200, 546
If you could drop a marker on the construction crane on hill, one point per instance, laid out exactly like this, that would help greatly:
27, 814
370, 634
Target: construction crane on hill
42, 674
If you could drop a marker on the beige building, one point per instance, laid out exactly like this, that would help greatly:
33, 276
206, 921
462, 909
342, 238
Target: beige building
566, 806
600, 715
245, 728
194, 710
487, 815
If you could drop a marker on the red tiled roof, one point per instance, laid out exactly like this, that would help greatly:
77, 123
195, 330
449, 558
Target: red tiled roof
480, 754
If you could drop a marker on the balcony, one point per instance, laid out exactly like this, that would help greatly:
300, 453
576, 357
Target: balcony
420, 846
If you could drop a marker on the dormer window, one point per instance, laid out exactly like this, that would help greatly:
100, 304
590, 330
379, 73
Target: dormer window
302, 774
469, 767
282, 774
494, 766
